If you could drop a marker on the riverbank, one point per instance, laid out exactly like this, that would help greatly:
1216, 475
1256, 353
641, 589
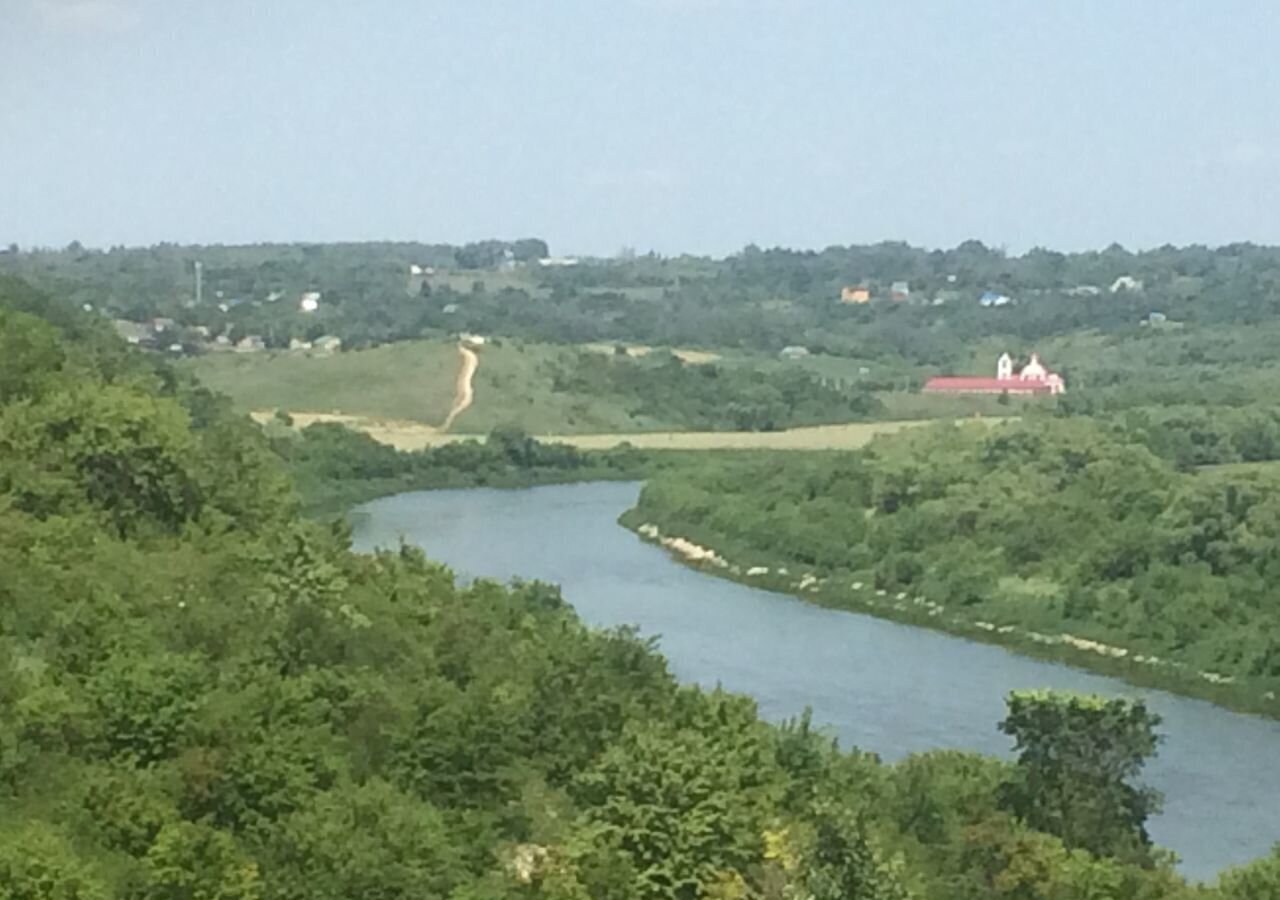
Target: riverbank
823, 589
334, 468
339, 498
881, 686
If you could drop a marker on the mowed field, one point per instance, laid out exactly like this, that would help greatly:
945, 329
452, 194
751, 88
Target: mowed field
818, 437
405, 435
413, 383
399, 381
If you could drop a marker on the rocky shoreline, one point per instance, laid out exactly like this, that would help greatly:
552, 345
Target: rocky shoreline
856, 596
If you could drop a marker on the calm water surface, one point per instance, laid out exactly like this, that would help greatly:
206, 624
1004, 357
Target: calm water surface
878, 685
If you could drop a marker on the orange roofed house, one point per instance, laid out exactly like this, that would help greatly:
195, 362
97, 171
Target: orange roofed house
855, 294
1033, 379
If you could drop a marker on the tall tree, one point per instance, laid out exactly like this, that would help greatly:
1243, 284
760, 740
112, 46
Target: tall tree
1077, 756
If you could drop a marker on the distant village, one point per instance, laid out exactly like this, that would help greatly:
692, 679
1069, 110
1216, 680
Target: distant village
1031, 379
900, 292
166, 335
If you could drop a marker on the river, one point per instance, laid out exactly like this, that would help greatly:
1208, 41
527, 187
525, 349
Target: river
878, 685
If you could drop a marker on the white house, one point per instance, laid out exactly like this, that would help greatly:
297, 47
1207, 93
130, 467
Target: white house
1126, 283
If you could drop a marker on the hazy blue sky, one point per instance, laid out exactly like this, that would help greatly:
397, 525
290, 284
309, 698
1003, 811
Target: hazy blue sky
673, 125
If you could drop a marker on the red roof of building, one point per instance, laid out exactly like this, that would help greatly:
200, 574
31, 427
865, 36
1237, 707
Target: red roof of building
986, 385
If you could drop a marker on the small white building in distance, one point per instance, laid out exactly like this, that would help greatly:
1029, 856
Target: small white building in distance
1126, 283
310, 302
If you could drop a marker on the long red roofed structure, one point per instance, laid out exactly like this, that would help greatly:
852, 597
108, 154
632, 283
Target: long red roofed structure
1033, 379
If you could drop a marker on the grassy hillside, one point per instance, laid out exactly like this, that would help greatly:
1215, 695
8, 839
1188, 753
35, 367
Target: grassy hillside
407, 381
414, 382
557, 390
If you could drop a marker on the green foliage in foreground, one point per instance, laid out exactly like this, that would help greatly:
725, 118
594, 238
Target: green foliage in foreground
1077, 756
1049, 525
207, 697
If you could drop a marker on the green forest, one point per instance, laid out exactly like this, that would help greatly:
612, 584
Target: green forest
711, 396
1033, 529
333, 468
210, 697
758, 299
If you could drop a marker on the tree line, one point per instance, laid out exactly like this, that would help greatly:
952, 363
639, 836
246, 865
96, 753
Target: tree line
755, 299
711, 396
333, 467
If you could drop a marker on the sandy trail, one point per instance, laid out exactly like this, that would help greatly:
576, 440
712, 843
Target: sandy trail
407, 435
463, 391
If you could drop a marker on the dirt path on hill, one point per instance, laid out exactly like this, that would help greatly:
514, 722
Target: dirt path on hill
463, 392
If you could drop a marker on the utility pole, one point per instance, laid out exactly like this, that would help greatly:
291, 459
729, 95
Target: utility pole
199, 281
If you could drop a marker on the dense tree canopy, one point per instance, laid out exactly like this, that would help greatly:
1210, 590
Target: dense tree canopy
1046, 525
1076, 756
758, 298
208, 697
711, 396
334, 467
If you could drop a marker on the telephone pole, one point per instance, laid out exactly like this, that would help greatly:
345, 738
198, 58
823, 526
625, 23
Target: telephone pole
199, 281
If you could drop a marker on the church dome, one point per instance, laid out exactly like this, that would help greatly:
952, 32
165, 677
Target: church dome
1034, 370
